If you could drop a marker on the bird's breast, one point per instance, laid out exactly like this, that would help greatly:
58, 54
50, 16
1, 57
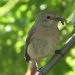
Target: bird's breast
43, 42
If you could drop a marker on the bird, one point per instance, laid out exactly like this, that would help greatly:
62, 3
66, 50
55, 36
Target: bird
43, 39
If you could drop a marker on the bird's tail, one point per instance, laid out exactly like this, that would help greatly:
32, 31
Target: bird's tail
33, 68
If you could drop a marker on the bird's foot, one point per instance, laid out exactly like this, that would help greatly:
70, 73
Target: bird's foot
58, 52
40, 70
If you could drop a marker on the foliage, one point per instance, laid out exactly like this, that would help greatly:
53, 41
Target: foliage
16, 18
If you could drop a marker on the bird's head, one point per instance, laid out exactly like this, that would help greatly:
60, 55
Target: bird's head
50, 18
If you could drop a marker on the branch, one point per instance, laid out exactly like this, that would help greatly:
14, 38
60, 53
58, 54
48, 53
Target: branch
52, 62
73, 20
7, 7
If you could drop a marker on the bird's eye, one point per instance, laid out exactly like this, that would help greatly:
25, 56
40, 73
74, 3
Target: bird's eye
48, 17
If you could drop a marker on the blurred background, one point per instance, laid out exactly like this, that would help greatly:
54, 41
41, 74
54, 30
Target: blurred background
16, 18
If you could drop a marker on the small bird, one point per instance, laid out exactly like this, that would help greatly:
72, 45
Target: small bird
43, 39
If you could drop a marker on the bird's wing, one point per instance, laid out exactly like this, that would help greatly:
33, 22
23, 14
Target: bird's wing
31, 32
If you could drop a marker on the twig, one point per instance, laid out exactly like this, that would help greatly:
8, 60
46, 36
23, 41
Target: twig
52, 62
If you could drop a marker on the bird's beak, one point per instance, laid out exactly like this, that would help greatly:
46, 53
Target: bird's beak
61, 19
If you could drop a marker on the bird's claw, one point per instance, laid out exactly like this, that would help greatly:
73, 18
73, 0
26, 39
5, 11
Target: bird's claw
58, 52
39, 70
